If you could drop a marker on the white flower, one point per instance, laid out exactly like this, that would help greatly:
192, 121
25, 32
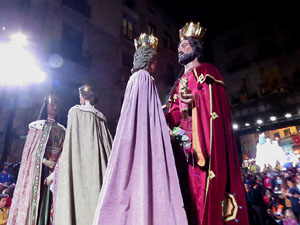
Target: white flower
185, 138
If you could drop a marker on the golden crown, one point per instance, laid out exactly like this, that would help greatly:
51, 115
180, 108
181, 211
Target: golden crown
85, 88
146, 40
51, 99
192, 30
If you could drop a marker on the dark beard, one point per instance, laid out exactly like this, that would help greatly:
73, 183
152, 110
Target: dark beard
186, 58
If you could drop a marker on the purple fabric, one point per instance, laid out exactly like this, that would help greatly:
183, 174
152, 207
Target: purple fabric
141, 186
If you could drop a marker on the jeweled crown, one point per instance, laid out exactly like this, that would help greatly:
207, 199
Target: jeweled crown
146, 40
52, 99
192, 30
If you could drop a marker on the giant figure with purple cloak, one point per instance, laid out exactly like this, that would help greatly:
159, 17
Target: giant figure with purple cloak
141, 186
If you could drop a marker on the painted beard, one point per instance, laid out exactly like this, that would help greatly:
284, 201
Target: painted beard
186, 58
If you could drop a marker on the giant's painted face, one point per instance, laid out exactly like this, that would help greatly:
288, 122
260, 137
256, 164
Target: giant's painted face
186, 53
52, 109
153, 64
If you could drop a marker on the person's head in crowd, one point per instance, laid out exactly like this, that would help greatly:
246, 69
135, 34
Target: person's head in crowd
3, 187
284, 185
269, 193
290, 182
286, 174
275, 201
259, 181
298, 166
288, 214
10, 190
250, 181
3, 199
273, 175
251, 177
279, 180
5, 168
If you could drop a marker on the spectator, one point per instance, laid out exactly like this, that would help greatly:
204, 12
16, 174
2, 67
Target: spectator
10, 192
3, 210
294, 195
285, 189
5, 177
267, 181
289, 218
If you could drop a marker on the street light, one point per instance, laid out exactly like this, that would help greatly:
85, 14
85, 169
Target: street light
288, 115
235, 126
273, 118
259, 121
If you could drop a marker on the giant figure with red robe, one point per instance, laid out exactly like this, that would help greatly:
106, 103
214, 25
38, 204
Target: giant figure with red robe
199, 107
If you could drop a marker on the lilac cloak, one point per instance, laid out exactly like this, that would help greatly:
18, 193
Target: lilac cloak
141, 186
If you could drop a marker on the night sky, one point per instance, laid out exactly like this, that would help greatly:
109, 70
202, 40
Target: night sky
218, 18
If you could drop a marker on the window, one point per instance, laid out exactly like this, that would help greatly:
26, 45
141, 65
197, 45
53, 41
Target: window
127, 27
151, 29
80, 6
71, 43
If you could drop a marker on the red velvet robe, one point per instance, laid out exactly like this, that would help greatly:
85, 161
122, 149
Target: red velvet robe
216, 188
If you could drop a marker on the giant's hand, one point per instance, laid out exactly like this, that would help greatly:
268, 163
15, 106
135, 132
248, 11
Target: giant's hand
187, 98
49, 163
49, 179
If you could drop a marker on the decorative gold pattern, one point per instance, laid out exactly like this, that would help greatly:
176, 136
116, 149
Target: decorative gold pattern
210, 142
192, 30
214, 115
211, 174
146, 40
229, 207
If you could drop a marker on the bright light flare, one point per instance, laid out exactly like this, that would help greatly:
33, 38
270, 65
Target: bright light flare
19, 39
18, 66
235, 126
273, 118
247, 124
288, 115
259, 121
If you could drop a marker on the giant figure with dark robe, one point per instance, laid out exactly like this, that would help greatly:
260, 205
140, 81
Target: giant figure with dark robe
141, 186
32, 201
213, 192
80, 171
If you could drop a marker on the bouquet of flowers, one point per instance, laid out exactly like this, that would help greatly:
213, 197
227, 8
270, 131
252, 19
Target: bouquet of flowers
182, 137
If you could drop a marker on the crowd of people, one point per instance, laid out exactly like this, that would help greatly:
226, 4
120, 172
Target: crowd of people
7, 187
273, 196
